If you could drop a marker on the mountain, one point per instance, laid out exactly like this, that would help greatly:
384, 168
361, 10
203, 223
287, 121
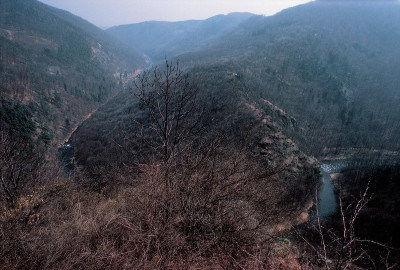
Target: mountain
55, 69
206, 162
167, 39
333, 66
324, 72
122, 137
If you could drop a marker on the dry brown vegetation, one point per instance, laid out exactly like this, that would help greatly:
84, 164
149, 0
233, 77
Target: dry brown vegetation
213, 215
198, 201
203, 220
190, 200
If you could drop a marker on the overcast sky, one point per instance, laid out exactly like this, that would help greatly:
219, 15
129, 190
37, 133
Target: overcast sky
106, 13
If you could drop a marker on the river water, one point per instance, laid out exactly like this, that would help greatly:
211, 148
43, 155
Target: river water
66, 155
327, 198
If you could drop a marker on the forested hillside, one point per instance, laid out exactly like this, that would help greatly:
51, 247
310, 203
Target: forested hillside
55, 69
333, 66
160, 40
319, 79
110, 138
211, 158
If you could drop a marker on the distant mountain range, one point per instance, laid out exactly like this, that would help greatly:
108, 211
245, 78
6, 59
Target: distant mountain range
325, 72
160, 40
333, 66
174, 175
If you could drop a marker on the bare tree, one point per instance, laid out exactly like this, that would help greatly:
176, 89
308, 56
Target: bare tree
341, 249
174, 113
17, 166
209, 191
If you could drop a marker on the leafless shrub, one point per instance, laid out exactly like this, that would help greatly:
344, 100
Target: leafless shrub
210, 217
197, 202
203, 204
18, 167
174, 114
329, 247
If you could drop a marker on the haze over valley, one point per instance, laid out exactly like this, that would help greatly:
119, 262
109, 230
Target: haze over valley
240, 141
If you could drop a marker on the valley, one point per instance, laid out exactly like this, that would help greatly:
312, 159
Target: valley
236, 142
327, 203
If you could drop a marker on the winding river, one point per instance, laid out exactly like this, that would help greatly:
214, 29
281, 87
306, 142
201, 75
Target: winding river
66, 155
327, 199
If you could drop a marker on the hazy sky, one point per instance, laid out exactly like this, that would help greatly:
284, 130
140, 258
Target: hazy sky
106, 13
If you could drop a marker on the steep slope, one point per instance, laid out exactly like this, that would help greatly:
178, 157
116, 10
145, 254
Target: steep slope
333, 66
167, 39
109, 146
55, 69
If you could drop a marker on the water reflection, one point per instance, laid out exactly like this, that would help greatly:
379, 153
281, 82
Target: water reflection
66, 154
327, 199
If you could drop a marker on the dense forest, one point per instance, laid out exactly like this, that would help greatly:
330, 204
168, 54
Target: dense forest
203, 148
